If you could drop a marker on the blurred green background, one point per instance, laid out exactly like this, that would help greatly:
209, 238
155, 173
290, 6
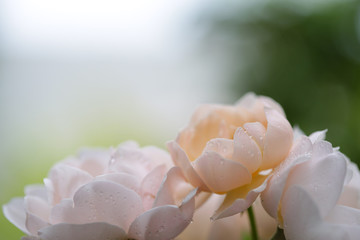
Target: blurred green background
304, 55
61, 90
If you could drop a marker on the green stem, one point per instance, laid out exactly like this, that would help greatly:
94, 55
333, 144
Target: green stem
254, 235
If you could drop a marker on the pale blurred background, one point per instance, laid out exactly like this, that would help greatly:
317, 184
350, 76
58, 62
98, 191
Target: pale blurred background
96, 73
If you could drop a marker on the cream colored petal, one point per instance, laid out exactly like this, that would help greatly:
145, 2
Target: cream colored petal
278, 139
246, 151
182, 161
221, 175
193, 139
223, 146
240, 199
300, 152
257, 131
271, 103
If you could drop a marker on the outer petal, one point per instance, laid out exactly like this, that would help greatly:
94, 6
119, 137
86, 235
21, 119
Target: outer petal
165, 222
240, 199
278, 139
90, 231
64, 181
246, 151
37, 213
302, 218
14, 211
37, 190
270, 103
221, 175
181, 160
301, 151
34, 223
173, 189
150, 186
37, 206
100, 201
323, 180
318, 136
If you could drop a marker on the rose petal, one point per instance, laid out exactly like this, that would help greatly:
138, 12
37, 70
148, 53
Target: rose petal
318, 136
173, 189
257, 131
94, 161
130, 161
350, 197
34, 223
270, 103
90, 231
164, 222
301, 152
37, 190
157, 156
150, 186
221, 175
246, 151
14, 211
193, 139
224, 147
344, 215
322, 179
302, 218
65, 180
181, 160
278, 139
321, 149
100, 201
124, 179
240, 199
253, 107
37, 207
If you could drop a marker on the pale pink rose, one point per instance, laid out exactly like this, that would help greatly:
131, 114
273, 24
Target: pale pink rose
225, 149
235, 227
314, 193
107, 194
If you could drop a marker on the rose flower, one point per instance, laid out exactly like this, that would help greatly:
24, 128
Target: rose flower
226, 149
315, 192
107, 194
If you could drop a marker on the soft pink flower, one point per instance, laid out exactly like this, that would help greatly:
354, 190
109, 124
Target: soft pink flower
225, 149
107, 194
314, 193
